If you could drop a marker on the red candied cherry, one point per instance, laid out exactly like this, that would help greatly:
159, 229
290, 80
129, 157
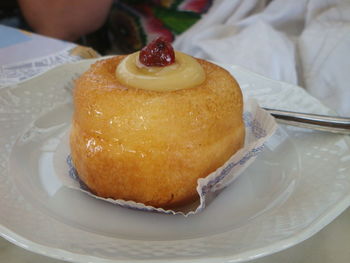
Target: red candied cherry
158, 53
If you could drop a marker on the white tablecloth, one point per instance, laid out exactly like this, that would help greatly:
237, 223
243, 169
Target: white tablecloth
304, 42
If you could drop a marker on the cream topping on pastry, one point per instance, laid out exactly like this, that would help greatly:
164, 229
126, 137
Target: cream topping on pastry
185, 73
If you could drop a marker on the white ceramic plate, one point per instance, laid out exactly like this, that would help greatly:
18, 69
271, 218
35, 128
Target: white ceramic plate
299, 184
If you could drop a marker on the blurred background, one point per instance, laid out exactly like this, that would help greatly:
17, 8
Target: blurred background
119, 26
305, 43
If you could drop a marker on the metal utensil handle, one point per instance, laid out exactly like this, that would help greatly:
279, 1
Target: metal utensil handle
312, 121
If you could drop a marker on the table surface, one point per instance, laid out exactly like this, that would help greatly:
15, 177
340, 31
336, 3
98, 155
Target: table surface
331, 244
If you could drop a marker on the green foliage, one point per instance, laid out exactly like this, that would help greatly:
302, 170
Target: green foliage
176, 21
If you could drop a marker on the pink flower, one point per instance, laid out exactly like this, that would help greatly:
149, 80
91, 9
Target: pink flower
197, 6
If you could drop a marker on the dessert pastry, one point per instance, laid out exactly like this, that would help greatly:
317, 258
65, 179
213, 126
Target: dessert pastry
148, 125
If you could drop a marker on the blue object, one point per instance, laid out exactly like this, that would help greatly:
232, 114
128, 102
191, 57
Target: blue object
10, 36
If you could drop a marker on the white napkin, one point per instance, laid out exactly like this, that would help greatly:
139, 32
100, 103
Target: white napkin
305, 42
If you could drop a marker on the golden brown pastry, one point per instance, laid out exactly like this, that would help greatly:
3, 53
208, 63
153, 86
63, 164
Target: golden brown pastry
151, 146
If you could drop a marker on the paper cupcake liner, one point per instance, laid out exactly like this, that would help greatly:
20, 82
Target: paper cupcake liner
259, 125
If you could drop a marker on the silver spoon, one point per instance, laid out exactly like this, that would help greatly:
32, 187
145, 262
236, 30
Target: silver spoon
312, 121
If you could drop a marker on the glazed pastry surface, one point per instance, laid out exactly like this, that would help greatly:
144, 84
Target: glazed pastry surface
149, 146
